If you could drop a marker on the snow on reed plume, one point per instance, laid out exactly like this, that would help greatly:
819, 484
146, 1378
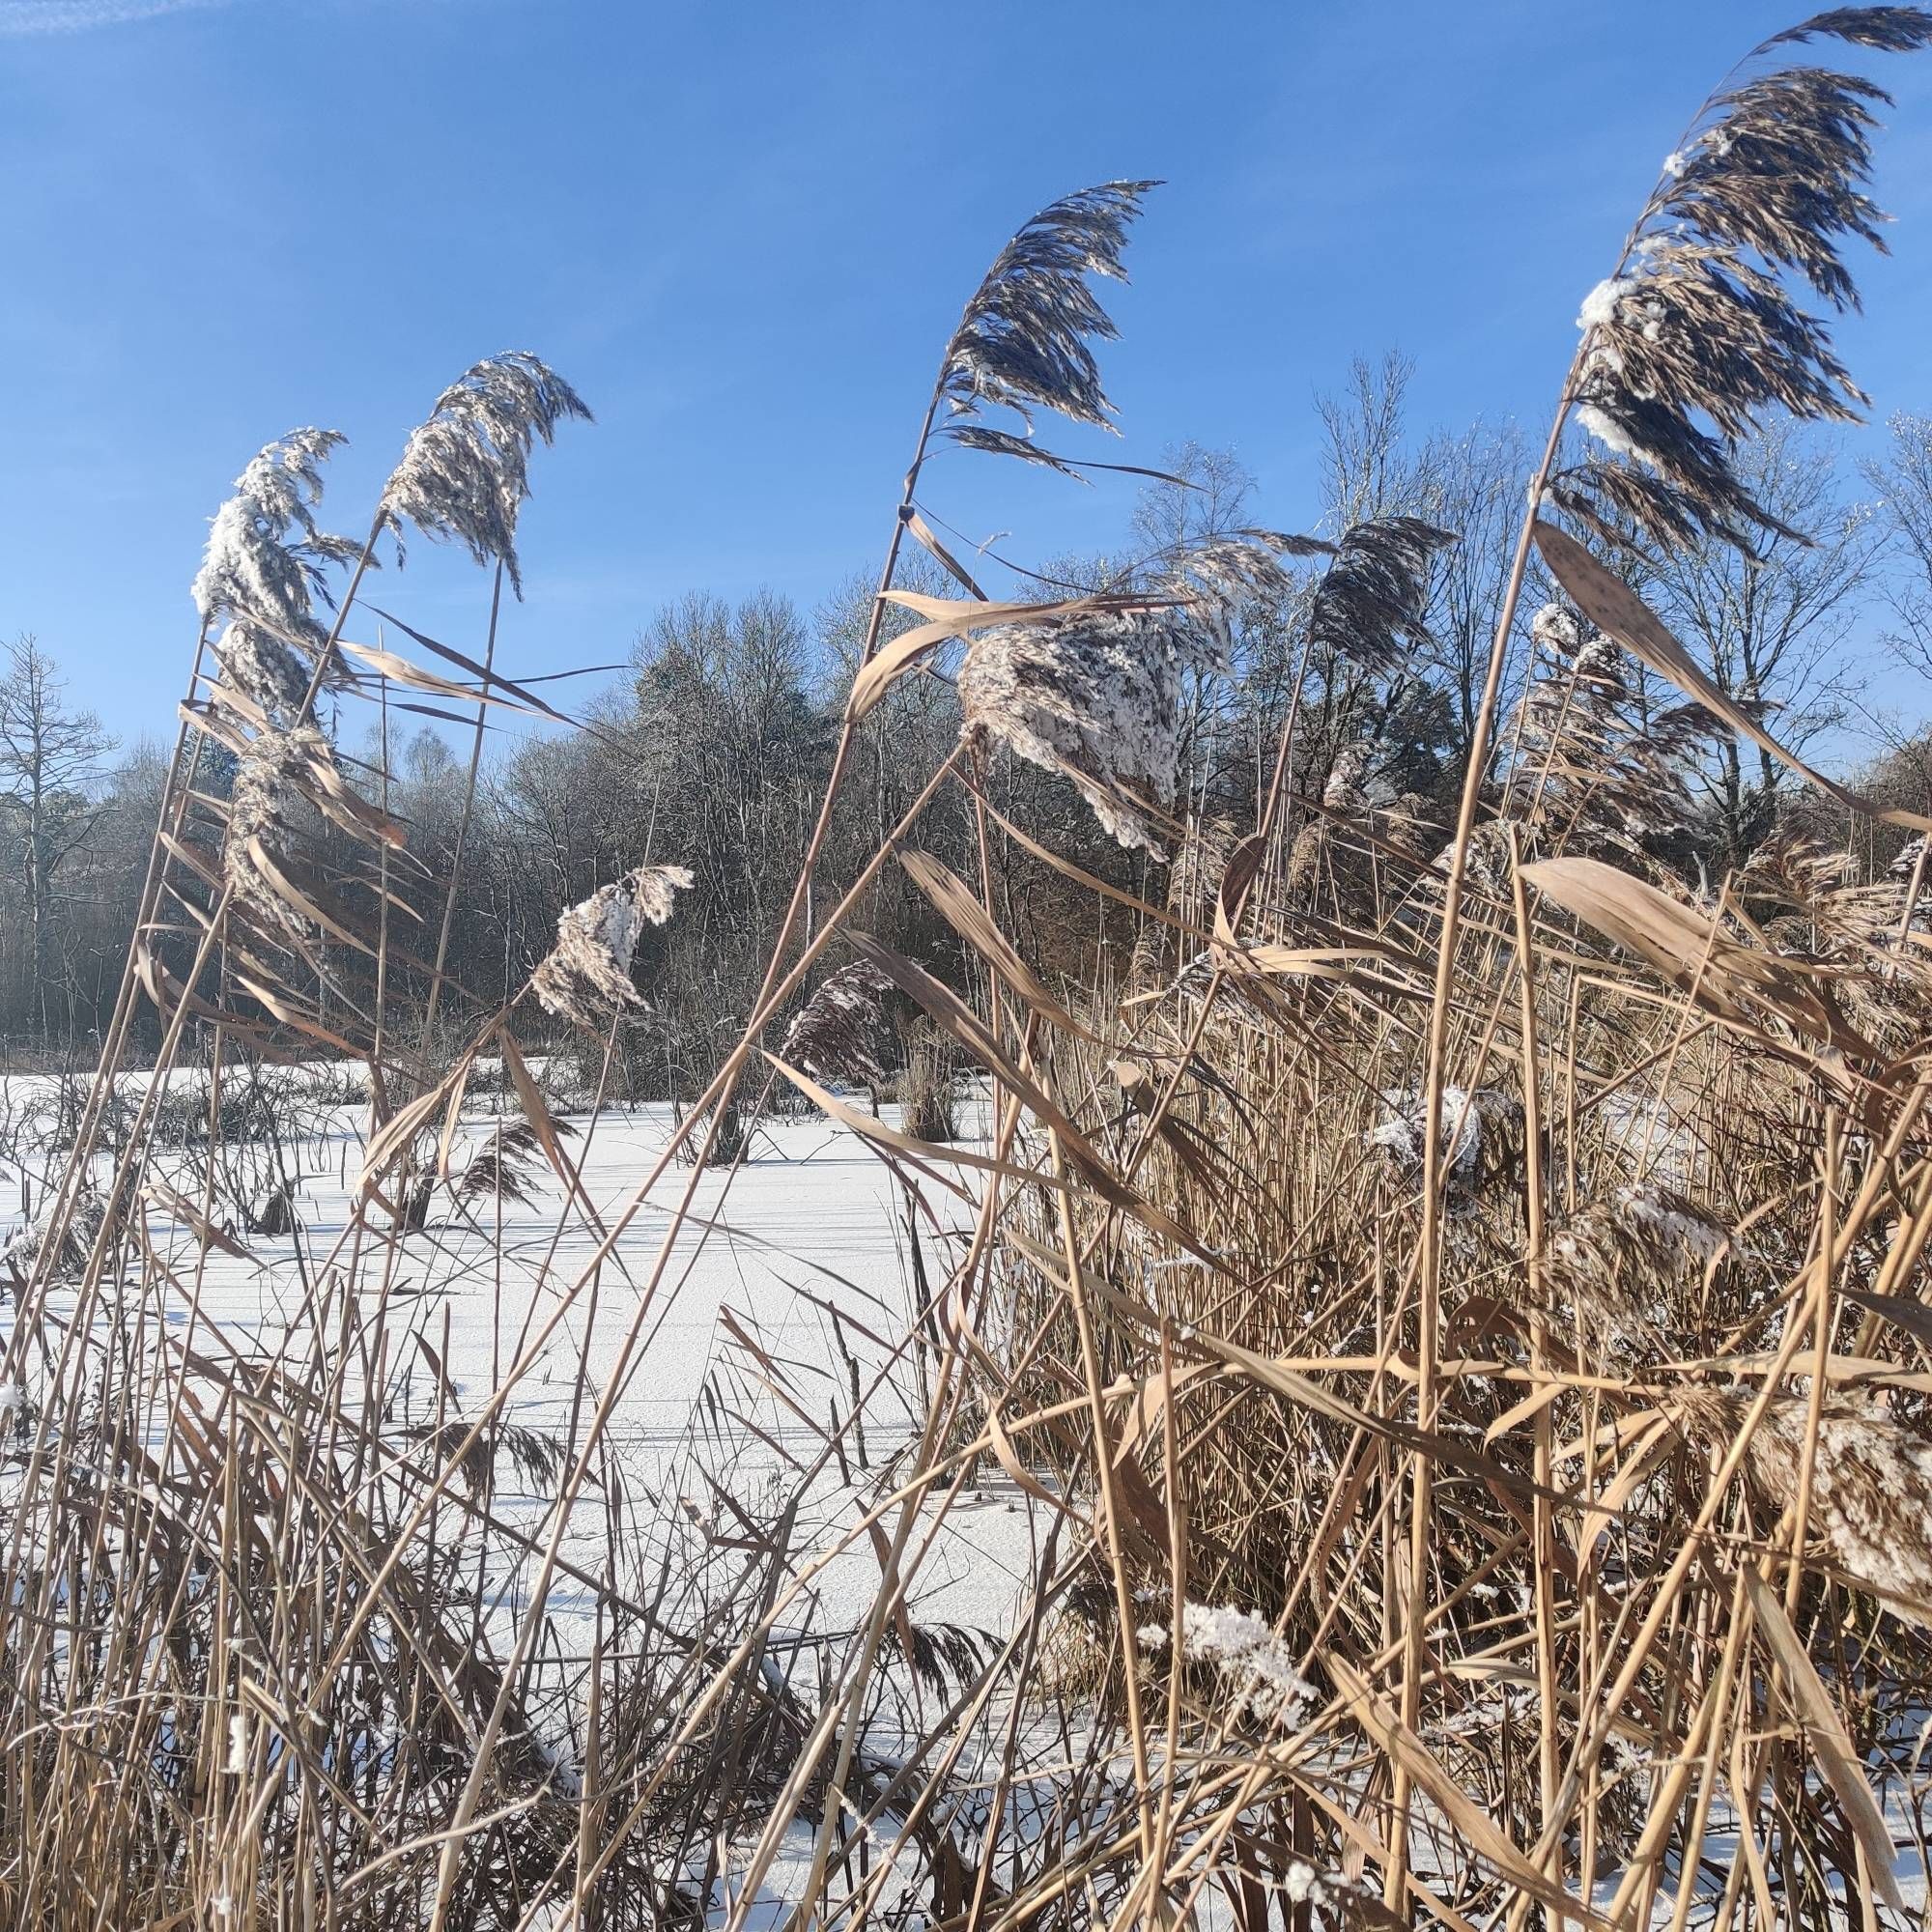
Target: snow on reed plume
587, 975
259, 831
264, 565
838, 1033
1482, 1132
465, 473
1256, 1663
1098, 701
1694, 341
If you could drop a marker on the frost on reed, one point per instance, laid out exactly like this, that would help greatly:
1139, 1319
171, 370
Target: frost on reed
1694, 341
1872, 1491
1480, 1135
1097, 700
260, 826
838, 1033
465, 473
585, 976
264, 567
1023, 341
1255, 1663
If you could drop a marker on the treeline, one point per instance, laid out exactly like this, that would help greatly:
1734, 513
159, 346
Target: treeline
713, 751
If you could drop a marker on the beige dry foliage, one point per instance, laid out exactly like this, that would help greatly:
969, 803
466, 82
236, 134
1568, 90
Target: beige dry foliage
1511, 1299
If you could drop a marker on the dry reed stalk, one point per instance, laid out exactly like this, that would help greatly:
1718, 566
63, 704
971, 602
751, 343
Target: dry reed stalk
1186, 1334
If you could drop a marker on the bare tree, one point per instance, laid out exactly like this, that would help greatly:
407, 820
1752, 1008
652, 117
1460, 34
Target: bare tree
51, 763
1903, 481
1472, 484
1367, 469
1770, 623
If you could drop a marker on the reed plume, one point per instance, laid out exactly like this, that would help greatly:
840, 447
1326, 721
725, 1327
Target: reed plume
1101, 697
1482, 1130
261, 827
1871, 1497
1024, 340
1597, 769
266, 565
585, 976
1694, 339
465, 473
1259, 1667
840, 1033
1370, 598
1620, 1265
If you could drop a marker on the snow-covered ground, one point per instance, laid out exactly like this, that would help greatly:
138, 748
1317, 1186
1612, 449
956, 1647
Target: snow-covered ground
792, 1274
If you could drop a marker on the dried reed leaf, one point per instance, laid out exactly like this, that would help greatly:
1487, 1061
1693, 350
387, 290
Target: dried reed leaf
1837, 1759
922, 533
1617, 610
954, 900
400, 670
177, 1206
483, 673
1738, 984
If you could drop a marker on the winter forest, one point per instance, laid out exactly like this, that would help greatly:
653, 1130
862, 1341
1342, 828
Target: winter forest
717, 737
1229, 1229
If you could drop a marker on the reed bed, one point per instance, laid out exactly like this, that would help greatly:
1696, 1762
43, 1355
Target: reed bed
1449, 1300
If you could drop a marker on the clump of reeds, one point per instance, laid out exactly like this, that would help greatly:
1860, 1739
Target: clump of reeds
1514, 1609
930, 1085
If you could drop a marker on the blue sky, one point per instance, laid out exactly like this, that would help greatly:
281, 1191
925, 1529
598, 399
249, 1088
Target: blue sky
744, 233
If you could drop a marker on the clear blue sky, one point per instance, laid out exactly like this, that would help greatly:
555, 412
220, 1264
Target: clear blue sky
744, 231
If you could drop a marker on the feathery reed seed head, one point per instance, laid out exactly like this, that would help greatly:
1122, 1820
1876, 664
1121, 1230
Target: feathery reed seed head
1023, 340
465, 473
838, 1033
1871, 1496
585, 976
1697, 327
264, 567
